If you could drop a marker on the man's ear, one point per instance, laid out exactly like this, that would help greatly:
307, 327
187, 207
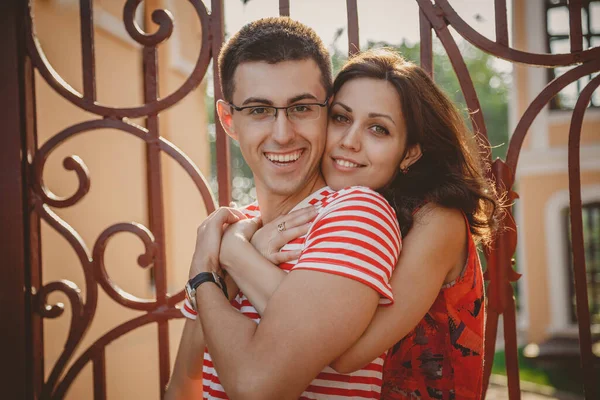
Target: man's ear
224, 112
412, 156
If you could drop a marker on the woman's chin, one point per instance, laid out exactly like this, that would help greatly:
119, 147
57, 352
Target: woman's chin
337, 183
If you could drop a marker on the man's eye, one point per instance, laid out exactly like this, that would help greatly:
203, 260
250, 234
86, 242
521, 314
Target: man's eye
301, 108
258, 111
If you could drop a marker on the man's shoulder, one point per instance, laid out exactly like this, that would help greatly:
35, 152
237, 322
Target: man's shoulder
251, 210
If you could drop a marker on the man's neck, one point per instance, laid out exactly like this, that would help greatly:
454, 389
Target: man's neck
272, 205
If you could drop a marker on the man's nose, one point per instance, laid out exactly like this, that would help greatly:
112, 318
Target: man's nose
351, 139
283, 131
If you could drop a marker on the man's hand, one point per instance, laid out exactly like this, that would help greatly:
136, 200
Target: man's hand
208, 240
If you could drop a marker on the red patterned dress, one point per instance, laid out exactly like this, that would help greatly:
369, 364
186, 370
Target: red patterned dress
442, 358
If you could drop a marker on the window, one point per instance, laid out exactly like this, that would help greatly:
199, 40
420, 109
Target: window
557, 35
591, 245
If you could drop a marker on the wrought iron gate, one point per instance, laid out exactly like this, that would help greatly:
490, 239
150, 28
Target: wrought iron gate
26, 201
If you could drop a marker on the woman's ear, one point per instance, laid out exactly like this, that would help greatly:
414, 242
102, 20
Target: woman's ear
412, 156
225, 114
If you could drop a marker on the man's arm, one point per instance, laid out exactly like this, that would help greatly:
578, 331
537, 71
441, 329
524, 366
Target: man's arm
186, 380
312, 318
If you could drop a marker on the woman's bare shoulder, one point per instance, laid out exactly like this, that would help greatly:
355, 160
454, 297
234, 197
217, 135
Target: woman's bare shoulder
433, 215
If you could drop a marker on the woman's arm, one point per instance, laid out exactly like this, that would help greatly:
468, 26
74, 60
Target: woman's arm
255, 276
436, 244
251, 256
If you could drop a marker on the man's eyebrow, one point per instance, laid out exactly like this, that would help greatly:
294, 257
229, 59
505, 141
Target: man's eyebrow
345, 107
257, 100
302, 96
374, 115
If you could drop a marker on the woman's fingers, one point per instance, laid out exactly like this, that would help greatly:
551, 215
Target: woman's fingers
285, 256
238, 213
223, 215
296, 218
294, 225
290, 234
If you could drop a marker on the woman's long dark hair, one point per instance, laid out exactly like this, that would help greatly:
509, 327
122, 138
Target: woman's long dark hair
451, 170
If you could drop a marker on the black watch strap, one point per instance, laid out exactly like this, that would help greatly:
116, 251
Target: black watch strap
208, 277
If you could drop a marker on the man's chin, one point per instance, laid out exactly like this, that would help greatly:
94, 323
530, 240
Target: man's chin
285, 187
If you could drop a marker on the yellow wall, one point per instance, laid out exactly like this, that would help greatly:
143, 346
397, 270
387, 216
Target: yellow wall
535, 192
118, 193
558, 133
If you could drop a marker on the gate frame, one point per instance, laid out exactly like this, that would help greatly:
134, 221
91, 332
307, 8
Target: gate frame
16, 366
23, 364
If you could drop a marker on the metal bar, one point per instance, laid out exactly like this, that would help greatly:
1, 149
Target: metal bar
35, 248
16, 365
534, 108
575, 25
353, 38
500, 274
87, 50
426, 43
491, 333
284, 8
579, 269
590, 250
462, 73
155, 200
223, 170
99, 366
501, 22
510, 345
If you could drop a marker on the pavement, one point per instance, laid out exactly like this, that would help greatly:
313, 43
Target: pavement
498, 390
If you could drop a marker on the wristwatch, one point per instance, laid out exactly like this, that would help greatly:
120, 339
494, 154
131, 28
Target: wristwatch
192, 285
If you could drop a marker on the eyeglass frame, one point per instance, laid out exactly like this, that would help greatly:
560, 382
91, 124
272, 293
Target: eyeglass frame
286, 108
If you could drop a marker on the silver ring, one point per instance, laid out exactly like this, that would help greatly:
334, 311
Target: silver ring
281, 227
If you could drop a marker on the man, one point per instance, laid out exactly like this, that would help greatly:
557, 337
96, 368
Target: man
276, 79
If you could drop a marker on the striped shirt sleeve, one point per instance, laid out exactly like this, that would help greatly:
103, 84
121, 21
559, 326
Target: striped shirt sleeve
356, 235
187, 310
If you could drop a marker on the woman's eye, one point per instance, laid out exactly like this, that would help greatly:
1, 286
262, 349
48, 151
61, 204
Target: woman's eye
339, 118
380, 130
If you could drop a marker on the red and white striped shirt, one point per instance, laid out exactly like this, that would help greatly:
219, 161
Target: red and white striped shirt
356, 235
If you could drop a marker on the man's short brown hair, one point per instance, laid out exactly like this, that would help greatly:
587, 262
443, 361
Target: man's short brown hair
272, 40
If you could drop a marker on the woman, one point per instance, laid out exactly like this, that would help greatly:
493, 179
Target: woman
393, 130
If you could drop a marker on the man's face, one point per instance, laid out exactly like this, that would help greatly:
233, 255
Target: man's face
283, 154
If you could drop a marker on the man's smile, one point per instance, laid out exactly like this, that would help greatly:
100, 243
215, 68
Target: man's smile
284, 159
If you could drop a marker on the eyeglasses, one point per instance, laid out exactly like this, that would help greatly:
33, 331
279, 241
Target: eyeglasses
300, 112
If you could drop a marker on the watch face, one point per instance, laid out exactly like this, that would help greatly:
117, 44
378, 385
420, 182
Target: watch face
190, 294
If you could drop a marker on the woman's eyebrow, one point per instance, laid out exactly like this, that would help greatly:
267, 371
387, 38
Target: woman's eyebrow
374, 115
345, 107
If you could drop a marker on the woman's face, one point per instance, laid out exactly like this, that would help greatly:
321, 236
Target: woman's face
366, 135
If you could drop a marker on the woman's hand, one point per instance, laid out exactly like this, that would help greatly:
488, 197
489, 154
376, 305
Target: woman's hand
269, 239
234, 237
